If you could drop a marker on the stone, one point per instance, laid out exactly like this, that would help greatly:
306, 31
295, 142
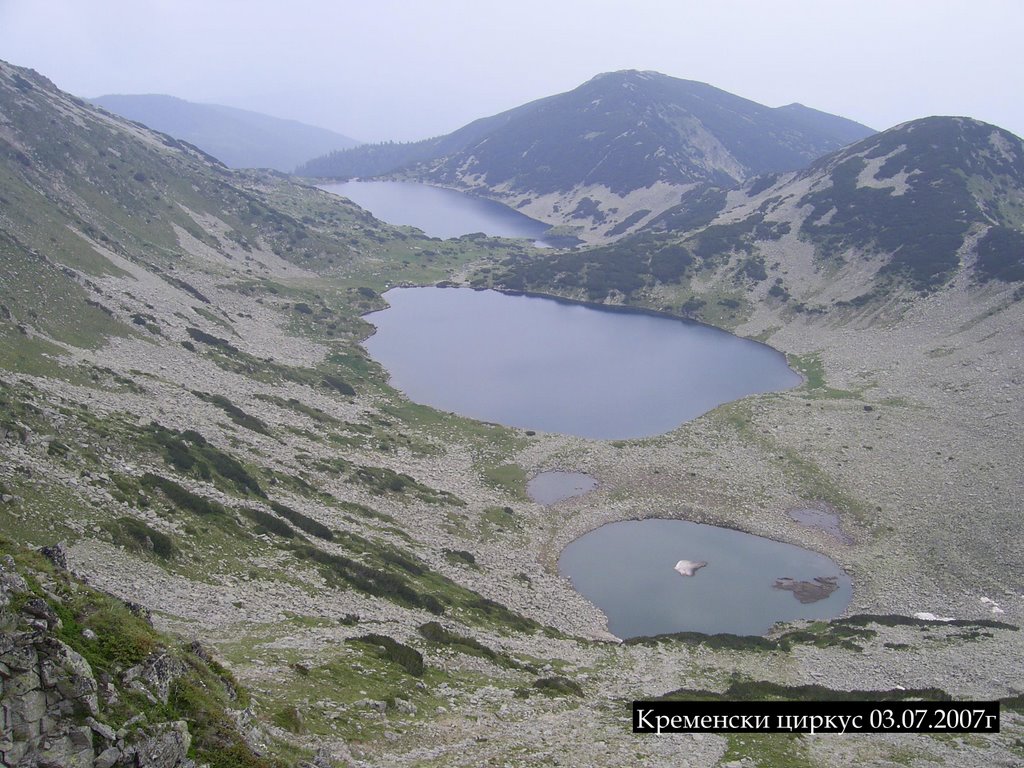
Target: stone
22, 683
102, 730
33, 707
405, 707
808, 591
57, 555
40, 609
17, 750
372, 704
10, 581
200, 650
81, 737
65, 752
76, 682
107, 758
164, 746
156, 675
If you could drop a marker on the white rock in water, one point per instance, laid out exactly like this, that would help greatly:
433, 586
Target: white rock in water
689, 567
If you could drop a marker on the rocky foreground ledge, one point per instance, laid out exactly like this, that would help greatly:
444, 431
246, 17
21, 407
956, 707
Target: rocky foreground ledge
85, 682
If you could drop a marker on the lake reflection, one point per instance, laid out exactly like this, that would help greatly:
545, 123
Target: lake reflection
626, 570
547, 365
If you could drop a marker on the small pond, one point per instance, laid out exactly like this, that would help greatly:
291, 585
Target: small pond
542, 364
553, 487
437, 211
746, 583
822, 520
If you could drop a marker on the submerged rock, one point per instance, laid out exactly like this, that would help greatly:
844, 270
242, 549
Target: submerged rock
809, 591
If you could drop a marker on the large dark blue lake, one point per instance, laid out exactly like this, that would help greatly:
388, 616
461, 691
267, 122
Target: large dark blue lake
438, 212
541, 364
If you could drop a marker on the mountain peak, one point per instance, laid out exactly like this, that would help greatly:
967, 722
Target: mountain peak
629, 74
616, 134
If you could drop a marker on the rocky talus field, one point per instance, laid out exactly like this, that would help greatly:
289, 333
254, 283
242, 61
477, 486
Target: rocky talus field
268, 557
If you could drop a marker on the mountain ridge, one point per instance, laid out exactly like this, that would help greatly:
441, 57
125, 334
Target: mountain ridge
240, 138
594, 157
914, 207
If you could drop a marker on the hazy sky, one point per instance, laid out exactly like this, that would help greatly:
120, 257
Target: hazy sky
384, 69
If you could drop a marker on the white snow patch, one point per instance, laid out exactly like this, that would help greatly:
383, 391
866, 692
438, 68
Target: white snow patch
689, 567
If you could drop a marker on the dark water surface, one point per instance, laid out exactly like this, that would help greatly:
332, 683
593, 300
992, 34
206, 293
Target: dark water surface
438, 212
626, 570
541, 364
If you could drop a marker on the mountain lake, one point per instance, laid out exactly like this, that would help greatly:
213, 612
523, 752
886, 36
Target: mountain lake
437, 211
541, 364
747, 583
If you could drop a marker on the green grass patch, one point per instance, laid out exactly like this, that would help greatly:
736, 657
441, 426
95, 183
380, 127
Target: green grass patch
189, 452
812, 369
236, 414
558, 686
770, 750
135, 535
435, 633
268, 523
761, 690
460, 557
183, 498
298, 407
509, 477
406, 657
369, 579
302, 522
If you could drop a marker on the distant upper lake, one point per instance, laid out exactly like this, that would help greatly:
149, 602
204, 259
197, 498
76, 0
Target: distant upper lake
438, 212
547, 365
748, 583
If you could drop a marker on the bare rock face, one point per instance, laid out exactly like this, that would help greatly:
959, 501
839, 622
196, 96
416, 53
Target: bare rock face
154, 676
162, 746
46, 685
49, 707
57, 555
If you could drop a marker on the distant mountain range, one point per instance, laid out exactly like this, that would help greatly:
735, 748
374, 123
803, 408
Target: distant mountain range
609, 155
237, 137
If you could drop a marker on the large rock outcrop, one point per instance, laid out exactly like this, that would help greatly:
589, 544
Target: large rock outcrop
50, 704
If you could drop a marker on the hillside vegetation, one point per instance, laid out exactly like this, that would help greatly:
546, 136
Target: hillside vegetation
915, 207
